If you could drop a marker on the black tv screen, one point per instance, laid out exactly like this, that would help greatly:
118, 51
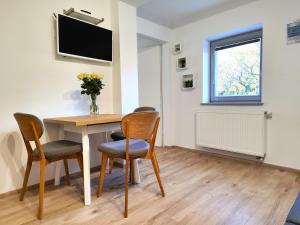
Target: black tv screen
80, 39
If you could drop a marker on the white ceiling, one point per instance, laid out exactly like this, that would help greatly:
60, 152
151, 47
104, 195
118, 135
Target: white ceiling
176, 13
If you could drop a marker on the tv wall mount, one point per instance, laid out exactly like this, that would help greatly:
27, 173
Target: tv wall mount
82, 15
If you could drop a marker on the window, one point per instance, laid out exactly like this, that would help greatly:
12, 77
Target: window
235, 68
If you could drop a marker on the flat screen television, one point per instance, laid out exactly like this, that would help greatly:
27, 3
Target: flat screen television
80, 39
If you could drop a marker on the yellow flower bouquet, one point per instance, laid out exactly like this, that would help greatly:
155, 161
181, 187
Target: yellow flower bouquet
91, 85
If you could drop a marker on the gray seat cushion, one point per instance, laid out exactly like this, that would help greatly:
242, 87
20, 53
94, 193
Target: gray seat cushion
117, 149
287, 223
57, 149
294, 215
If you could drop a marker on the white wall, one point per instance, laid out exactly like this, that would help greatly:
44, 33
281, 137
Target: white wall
280, 75
125, 75
128, 57
35, 80
149, 68
116, 71
156, 31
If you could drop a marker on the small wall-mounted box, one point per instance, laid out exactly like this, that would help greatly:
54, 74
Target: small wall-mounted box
177, 48
188, 82
182, 63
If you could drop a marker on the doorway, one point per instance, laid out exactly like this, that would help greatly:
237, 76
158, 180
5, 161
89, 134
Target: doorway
150, 77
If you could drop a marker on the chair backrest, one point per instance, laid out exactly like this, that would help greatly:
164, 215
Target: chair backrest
141, 125
32, 129
30, 126
145, 109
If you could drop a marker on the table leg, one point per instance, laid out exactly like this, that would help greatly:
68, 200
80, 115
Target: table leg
86, 166
57, 173
137, 178
108, 160
61, 136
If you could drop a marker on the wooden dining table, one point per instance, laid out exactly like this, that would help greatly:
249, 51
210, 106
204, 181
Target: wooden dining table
86, 125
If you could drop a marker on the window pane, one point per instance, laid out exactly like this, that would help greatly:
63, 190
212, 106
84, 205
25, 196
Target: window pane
237, 71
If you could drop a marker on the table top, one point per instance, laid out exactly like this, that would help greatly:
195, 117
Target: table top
85, 120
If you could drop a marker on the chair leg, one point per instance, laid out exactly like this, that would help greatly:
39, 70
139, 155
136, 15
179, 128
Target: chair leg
42, 189
67, 171
126, 189
25, 181
156, 162
155, 167
102, 173
80, 163
111, 165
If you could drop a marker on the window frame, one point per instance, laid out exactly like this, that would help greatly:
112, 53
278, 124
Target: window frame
229, 42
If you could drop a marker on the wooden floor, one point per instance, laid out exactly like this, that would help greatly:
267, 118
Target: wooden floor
200, 189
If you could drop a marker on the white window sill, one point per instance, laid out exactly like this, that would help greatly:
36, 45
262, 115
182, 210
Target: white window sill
234, 103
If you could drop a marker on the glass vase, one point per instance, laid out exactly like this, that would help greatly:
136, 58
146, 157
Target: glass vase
94, 108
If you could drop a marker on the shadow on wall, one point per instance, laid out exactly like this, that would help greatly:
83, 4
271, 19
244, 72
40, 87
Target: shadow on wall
78, 103
11, 153
13, 156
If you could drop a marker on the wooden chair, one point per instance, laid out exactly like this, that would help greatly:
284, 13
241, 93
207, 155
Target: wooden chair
137, 128
32, 129
118, 135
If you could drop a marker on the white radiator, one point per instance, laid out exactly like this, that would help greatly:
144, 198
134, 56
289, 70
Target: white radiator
240, 132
